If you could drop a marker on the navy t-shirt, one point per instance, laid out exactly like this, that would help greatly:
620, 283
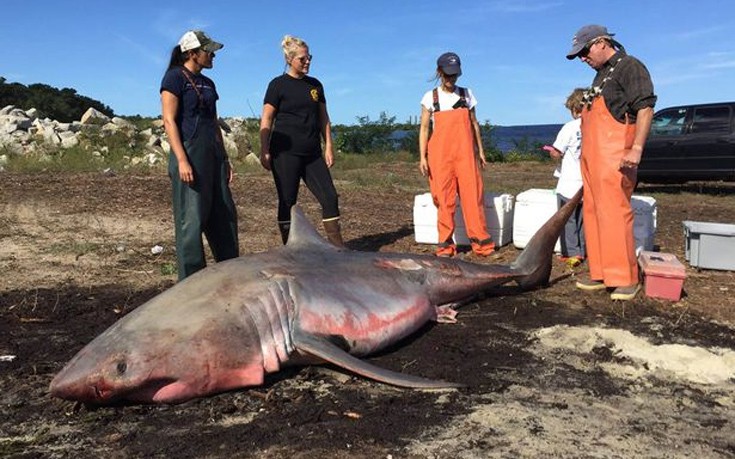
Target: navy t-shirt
191, 104
296, 128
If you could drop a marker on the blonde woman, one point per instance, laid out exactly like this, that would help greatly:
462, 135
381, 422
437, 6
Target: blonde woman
293, 125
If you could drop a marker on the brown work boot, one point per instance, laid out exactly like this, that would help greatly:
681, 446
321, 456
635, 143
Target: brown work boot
334, 233
626, 293
590, 285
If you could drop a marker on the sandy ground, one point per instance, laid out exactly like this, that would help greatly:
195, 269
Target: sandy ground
549, 373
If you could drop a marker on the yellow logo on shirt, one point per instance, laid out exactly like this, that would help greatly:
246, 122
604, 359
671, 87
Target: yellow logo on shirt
314, 95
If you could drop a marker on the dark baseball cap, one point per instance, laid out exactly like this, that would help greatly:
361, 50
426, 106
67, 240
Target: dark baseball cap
449, 63
585, 35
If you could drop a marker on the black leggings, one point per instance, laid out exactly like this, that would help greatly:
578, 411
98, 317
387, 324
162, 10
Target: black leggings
288, 170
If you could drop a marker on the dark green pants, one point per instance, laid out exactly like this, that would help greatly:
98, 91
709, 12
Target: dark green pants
204, 207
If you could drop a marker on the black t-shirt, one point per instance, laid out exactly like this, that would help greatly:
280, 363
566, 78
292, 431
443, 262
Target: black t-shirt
296, 128
193, 102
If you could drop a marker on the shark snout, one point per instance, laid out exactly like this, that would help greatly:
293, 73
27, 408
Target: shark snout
76, 389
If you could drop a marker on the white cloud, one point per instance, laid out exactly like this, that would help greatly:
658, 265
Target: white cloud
524, 6
143, 51
721, 65
341, 92
698, 33
670, 78
480, 14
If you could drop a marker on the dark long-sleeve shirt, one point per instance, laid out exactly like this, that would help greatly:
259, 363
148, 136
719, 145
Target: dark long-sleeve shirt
629, 87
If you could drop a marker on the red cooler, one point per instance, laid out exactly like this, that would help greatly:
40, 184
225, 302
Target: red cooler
664, 275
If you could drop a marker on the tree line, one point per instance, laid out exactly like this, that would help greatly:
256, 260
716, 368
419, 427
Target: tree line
64, 105
385, 135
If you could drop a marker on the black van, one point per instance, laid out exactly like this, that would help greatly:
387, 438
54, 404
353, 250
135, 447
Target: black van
690, 142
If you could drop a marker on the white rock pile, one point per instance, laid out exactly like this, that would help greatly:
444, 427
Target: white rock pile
23, 132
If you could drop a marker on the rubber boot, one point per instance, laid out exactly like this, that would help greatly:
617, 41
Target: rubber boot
333, 232
284, 228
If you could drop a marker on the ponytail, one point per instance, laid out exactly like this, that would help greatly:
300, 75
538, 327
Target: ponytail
177, 58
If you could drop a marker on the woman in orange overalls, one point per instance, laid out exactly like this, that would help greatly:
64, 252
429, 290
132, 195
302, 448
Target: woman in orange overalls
452, 158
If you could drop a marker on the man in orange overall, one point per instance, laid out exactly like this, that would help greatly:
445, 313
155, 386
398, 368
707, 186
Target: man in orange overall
452, 158
615, 124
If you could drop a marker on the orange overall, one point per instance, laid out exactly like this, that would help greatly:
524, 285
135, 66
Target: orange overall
453, 169
608, 216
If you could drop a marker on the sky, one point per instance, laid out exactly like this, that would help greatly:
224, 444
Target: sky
371, 56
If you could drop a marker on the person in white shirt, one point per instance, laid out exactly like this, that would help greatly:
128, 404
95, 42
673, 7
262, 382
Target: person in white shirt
567, 148
451, 155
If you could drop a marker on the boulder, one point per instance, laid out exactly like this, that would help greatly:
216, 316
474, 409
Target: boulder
153, 141
252, 158
230, 146
123, 123
68, 139
92, 116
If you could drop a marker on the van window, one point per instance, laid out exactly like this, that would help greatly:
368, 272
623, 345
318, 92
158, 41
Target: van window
712, 119
669, 122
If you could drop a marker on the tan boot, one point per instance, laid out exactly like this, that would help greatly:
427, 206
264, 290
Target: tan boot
333, 232
284, 228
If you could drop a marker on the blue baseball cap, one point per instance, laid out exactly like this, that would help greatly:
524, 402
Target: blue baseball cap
449, 63
585, 35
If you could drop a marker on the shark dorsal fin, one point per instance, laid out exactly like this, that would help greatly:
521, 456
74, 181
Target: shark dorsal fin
303, 233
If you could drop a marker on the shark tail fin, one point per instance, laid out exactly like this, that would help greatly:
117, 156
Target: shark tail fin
535, 260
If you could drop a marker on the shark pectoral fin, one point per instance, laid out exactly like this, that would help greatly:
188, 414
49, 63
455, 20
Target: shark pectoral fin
327, 351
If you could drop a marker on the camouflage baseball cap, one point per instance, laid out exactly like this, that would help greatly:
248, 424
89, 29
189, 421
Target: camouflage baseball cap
194, 39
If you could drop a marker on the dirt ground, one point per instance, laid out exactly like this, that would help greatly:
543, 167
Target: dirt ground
549, 373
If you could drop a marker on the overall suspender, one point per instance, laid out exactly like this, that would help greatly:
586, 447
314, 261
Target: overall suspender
200, 101
461, 103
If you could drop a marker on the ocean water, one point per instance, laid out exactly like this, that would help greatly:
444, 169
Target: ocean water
506, 138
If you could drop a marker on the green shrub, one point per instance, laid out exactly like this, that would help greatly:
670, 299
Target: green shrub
526, 150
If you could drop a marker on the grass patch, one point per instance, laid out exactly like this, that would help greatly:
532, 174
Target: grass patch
374, 170
168, 269
349, 161
77, 248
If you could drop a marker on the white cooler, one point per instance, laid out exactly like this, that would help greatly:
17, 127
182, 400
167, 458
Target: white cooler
498, 215
535, 207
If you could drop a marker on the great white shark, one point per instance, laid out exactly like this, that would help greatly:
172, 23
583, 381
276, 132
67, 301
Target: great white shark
307, 302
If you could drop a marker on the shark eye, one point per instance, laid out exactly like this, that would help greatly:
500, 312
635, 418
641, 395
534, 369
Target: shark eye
122, 367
